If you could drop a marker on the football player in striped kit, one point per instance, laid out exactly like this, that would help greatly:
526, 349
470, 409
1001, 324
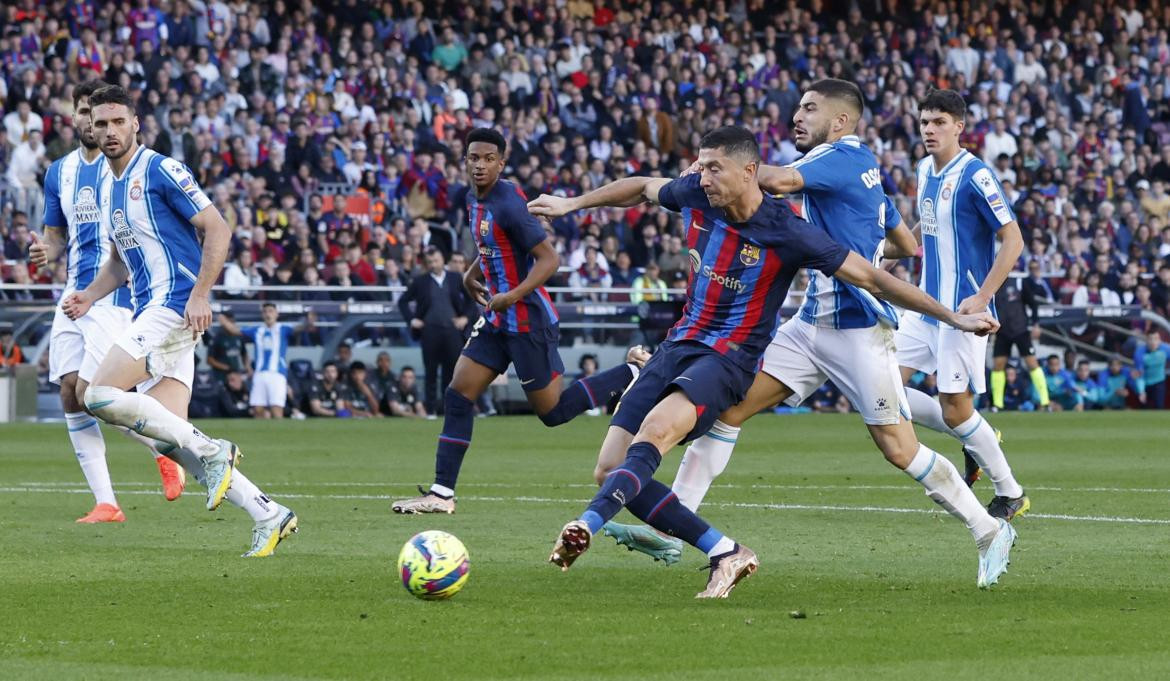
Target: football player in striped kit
151, 207
962, 212
76, 348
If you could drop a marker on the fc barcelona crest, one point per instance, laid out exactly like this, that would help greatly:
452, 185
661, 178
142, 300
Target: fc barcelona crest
485, 226
750, 255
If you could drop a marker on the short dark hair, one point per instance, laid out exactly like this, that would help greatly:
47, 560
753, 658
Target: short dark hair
431, 250
490, 136
357, 366
271, 305
328, 364
87, 89
111, 94
841, 90
405, 369
734, 140
946, 101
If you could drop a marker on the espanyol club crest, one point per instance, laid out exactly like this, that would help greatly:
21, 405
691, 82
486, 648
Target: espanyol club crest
484, 227
136, 192
750, 255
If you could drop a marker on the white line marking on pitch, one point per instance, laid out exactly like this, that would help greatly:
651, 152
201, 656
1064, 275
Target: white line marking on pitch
47, 488
578, 485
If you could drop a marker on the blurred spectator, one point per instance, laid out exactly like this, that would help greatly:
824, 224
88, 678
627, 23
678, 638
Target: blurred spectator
437, 309
1017, 394
1063, 392
233, 397
591, 274
1150, 362
649, 286
363, 403
26, 164
227, 352
10, 354
1117, 386
408, 395
328, 397
344, 357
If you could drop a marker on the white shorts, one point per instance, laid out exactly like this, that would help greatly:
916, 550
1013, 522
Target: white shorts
159, 336
959, 358
269, 389
860, 362
82, 345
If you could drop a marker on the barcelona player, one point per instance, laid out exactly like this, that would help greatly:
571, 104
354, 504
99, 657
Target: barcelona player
518, 326
745, 249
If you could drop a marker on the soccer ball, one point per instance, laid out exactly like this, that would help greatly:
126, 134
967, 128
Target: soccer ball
433, 565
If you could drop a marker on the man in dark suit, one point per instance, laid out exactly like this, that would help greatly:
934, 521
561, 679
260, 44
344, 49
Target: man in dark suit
438, 317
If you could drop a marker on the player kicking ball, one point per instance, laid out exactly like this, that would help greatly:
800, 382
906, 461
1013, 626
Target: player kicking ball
151, 208
745, 248
519, 324
962, 212
841, 333
76, 348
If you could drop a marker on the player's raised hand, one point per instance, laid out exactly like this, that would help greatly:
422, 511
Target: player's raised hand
979, 323
692, 169
38, 251
76, 304
197, 315
549, 206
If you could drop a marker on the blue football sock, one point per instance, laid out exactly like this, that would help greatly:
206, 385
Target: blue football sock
455, 438
588, 393
623, 484
658, 507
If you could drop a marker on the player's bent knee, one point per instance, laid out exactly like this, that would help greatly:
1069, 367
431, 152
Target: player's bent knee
100, 398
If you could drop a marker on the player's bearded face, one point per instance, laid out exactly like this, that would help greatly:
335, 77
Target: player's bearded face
84, 124
115, 128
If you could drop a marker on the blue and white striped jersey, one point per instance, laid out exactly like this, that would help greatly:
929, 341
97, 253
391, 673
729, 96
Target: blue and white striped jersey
843, 195
71, 203
270, 347
960, 209
147, 213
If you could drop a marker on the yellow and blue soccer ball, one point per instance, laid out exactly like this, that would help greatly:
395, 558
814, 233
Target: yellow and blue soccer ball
433, 565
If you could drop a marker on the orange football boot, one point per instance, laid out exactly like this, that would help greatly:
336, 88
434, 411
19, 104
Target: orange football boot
174, 478
103, 513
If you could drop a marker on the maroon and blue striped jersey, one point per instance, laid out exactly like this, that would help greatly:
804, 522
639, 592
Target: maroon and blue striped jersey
740, 272
505, 232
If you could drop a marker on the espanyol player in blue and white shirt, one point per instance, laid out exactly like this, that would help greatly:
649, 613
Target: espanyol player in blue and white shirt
842, 332
745, 248
151, 208
269, 363
962, 212
76, 348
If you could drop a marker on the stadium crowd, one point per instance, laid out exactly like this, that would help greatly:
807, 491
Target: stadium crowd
330, 134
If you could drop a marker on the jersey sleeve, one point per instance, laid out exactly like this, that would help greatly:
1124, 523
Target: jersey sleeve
54, 216
286, 332
988, 199
179, 188
811, 246
820, 169
523, 226
891, 218
249, 332
683, 192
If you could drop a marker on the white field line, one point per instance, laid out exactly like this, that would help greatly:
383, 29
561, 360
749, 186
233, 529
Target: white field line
50, 488
578, 485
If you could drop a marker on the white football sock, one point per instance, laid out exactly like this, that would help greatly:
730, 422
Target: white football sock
146, 415
724, 545
445, 492
245, 494
703, 461
927, 411
86, 435
242, 493
944, 485
979, 438
151, 444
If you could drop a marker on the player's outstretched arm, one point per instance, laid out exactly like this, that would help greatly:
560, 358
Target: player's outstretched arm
1011, 245
628, 191
217, 237
900, 243
860, 272
111, 275
772, 179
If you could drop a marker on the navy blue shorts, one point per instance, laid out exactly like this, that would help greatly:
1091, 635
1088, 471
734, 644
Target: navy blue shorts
535, 355
711, 382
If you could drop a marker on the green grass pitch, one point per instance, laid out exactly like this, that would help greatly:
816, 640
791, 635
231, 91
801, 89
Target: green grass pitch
885, 583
